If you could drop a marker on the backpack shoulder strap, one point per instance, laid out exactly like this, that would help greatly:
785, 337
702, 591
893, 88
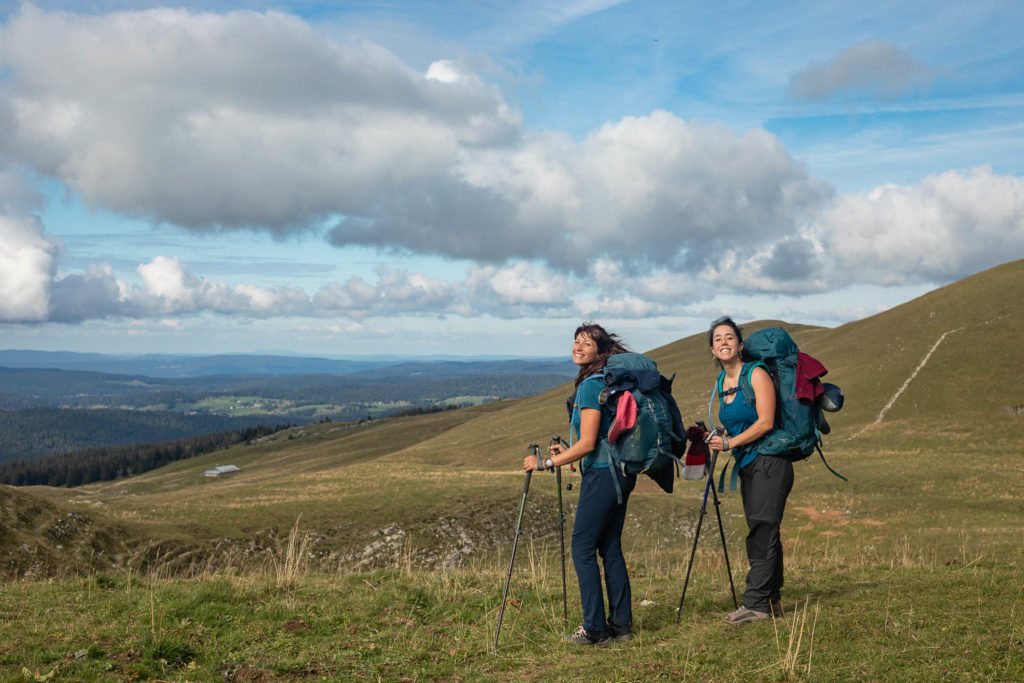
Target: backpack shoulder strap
574, 416
745, 384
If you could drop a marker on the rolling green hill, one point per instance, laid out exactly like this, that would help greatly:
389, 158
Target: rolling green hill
928, 377
928, 373
320, 558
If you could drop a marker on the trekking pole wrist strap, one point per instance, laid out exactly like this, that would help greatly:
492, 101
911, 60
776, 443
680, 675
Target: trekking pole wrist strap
549, 464
725, 443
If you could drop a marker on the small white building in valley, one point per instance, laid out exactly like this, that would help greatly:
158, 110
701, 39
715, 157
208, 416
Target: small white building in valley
221, 470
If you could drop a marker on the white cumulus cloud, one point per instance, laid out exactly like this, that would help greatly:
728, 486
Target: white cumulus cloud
947, 227
228, 120
653, 189
27, 267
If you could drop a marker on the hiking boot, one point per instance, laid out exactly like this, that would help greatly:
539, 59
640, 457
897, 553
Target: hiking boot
582, 636
744, 615
776, 607
620, 634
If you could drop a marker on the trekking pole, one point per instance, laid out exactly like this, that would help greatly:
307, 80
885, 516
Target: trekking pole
709, 486
721, 532
561, 527
533, 449
696, 534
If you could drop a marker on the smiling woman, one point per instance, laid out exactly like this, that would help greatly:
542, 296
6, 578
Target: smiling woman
765, 480
604, 492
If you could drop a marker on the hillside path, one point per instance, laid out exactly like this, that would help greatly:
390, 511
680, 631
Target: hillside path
920, 366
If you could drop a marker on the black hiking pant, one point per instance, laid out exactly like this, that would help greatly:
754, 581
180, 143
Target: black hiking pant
764, 486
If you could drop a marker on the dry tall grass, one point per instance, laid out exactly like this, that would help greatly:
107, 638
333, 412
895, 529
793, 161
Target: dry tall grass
293, 561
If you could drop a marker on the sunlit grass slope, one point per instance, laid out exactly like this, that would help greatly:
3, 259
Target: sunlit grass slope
349, 552
933, 378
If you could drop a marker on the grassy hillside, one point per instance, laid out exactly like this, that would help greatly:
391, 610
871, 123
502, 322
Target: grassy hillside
956, 409
921, 550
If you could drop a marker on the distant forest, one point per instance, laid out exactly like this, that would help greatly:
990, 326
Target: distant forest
106, 464
59, 416
36, 432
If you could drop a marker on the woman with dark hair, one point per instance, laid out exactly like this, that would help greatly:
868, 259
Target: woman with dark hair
599, 515
765, 480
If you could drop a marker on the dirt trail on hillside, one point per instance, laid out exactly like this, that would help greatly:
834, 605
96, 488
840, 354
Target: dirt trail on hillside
899, 392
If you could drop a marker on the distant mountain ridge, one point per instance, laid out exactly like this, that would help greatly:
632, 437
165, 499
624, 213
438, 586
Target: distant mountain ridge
47, 411
172, 365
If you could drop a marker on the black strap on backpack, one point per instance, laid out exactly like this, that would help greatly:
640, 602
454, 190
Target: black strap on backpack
825, 462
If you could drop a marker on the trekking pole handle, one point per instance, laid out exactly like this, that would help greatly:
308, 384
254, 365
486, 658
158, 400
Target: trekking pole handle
714, 432
556, 440
535, 451
718, 431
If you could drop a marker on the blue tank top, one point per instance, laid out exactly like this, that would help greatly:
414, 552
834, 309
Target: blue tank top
737, 417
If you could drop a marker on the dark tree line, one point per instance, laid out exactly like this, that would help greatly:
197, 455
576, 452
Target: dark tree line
38, 432
106, 464
425, 410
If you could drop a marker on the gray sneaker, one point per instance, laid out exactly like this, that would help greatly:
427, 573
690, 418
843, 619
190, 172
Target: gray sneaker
744, 615
620, 634
583, 637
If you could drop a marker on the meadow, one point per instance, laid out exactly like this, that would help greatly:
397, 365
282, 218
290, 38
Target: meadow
914, 577
379, 551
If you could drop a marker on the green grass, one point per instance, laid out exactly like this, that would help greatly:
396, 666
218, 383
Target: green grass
913, 571
847, 619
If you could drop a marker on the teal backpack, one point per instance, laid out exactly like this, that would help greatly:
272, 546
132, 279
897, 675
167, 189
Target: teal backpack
798, 424
658, 437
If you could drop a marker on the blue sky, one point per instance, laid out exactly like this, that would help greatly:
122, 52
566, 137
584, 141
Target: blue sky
420, 178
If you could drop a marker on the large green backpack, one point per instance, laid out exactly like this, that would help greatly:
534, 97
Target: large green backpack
658, 437
797, 432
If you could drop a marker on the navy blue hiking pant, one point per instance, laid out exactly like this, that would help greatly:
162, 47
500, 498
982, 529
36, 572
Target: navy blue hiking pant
598, 531
764, 486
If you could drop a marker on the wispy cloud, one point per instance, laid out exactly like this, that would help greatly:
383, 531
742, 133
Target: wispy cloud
876, 68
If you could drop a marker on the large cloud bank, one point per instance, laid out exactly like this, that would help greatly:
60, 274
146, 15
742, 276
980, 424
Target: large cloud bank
257, 121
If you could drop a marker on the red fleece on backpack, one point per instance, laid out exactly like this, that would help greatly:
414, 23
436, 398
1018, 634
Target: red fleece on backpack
625, 416
808, 370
